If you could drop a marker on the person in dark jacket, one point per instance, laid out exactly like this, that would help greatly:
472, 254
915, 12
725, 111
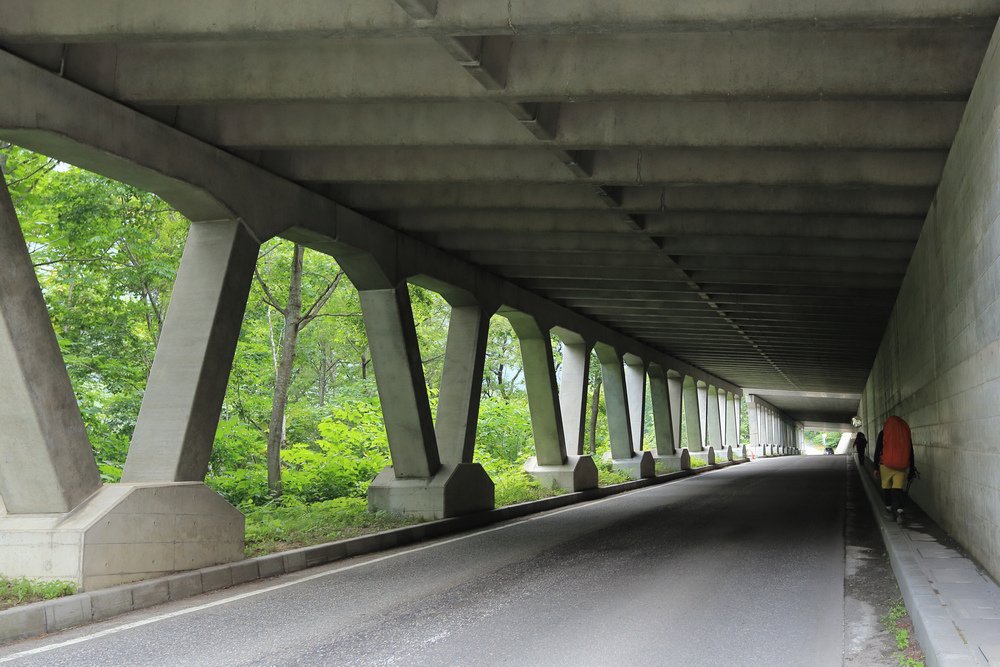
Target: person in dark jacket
860, 445
894, 463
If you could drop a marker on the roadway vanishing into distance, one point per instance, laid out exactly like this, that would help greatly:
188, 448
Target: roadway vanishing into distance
743, 565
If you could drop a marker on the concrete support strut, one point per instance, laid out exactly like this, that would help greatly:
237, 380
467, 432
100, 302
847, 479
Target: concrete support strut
418, 483
551, 464
46, 464
461, 384
665, 397
175, 430
692, 415
573, 392
623, 455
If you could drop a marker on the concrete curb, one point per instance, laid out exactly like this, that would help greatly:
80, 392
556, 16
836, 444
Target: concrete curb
39, 618
949, 637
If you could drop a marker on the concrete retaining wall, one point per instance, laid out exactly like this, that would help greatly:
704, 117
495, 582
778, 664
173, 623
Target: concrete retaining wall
938, 366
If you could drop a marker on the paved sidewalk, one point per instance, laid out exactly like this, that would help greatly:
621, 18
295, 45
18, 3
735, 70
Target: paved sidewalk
954, 604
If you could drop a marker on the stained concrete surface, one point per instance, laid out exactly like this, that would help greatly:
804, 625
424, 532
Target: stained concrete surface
740, 566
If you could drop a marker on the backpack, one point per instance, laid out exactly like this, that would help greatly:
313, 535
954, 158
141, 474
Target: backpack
896, 444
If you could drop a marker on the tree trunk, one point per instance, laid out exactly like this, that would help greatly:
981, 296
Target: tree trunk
283, 376
595, 404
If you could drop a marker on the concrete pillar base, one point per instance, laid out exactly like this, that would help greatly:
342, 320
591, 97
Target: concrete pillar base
675, 462
639, 466
455, 489
123, 533
727, 454
579, 473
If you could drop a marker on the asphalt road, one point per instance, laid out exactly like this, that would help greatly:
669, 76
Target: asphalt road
741, 566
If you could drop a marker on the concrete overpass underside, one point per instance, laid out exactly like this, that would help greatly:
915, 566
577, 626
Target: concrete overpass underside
725, 195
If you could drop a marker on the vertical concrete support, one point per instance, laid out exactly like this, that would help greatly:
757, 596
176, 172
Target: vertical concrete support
46, 463
417, 483
663, 419
692, 415
623, 454
702, 413
175, 430
551, 464
714, 420
756, 436
573, 392
732, 420
461, 384
635, 384
675, 388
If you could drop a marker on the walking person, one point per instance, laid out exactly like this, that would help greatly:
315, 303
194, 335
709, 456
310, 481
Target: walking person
893, 464
860, 445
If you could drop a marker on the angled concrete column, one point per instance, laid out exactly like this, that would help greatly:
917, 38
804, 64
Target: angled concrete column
46, 463
714, 420
551, 465
635, 385
703, 413
461, 384
175, 430
399, 375
692, 415
417, 483
663, 420
573, 392
623, 454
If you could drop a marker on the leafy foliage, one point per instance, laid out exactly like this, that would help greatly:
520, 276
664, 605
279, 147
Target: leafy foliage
22, 590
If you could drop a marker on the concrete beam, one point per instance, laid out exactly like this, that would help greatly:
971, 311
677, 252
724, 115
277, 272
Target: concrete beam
611, 167
144, 20
869, 202
176, 426
802, 125
664, 414
46, 462
898, 64
692, 415
635, 385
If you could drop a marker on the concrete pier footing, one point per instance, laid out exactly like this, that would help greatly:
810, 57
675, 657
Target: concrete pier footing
455, 489
123, 533
579, 473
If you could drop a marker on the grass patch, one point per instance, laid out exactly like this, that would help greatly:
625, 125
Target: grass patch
520, 487
279, 528
608, 475
22, 591
698, 462
897, 622
664, 468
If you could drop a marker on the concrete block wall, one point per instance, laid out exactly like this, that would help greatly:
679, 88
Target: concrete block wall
938, 366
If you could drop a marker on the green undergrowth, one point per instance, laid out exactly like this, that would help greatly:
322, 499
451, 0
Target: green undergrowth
279, 528
608, 475
664, 468
698, 462
22, 590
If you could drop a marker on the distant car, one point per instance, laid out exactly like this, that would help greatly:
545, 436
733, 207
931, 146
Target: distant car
828, 450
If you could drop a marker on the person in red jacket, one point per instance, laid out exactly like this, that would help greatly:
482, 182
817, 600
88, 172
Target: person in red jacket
893, 463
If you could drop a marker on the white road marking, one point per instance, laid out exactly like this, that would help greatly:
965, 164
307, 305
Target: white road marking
242, 596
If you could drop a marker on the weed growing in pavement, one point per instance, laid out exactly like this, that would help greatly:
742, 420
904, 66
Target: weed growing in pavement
897, 621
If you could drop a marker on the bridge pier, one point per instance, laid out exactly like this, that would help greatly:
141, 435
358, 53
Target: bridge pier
616, 396
60, 522
551, 465
419, 482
